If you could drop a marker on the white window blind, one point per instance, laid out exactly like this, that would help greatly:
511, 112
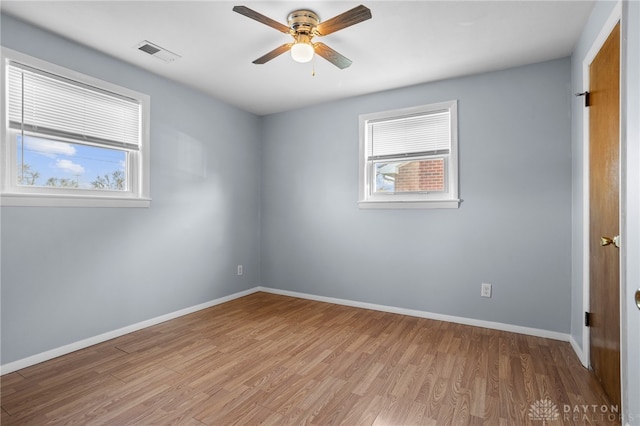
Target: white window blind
51, 105
410, 136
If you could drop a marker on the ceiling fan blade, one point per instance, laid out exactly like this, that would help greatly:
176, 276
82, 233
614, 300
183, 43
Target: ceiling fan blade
344, 20
274, 53
250, 13
332, 56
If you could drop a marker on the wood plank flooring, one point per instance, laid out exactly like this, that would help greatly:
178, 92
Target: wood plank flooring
270, 359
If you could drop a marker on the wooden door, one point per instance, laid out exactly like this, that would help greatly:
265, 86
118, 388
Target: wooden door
604, 193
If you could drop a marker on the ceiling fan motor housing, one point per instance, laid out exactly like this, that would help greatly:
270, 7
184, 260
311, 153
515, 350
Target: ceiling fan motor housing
303, 21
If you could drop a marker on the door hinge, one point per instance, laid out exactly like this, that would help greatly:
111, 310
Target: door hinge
587, 319
587, 98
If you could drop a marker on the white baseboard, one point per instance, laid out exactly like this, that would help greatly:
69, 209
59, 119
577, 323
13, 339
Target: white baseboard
578, 350
72, 347
63, 350
424, 314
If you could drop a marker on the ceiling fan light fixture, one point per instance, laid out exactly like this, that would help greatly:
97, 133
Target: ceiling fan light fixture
302, 52
304, 25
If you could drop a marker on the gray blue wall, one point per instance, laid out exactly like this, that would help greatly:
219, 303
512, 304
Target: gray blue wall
512, 230
70, 274
73, 273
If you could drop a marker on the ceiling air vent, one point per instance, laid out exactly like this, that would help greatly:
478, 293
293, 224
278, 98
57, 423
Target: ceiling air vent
157, 51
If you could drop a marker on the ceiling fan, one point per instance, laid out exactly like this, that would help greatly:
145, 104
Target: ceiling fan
303, 26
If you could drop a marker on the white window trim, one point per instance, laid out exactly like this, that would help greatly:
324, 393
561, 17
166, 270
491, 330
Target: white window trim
14, 195
449, 200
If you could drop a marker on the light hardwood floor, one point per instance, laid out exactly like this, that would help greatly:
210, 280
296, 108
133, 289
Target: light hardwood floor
272, 359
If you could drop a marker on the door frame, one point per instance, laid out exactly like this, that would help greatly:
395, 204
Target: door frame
630, 110
585, 355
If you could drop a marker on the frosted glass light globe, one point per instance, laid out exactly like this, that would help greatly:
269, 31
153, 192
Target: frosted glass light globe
302, 52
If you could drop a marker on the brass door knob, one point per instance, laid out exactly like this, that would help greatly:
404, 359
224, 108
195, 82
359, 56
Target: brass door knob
605, 241
638, 298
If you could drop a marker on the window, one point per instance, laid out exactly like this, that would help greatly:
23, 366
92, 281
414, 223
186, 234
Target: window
409, 157
70, 139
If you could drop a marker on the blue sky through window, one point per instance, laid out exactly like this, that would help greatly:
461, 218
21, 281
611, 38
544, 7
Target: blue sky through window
66, 160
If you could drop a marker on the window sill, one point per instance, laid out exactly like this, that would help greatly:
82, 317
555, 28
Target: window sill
424, 204
44, 200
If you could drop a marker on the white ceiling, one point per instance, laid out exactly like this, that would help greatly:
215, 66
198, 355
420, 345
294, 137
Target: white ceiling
405, 43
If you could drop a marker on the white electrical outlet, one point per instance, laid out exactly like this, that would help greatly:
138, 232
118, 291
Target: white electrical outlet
239, 269
485, 290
